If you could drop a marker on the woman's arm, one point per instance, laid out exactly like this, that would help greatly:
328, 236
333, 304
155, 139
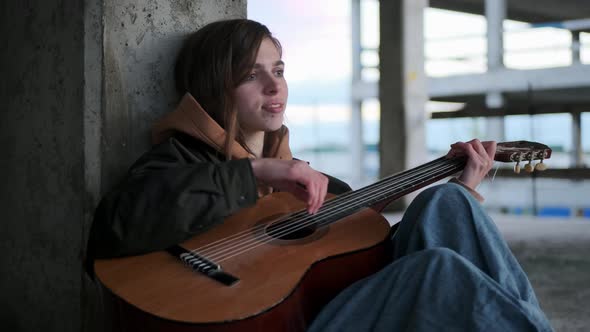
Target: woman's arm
167, 196
174, 192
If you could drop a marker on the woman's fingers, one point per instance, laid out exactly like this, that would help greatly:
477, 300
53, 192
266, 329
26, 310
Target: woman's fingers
490, 147
322, 191
480, 158
313, 199
295, 177
459, 149
478, 147
317, 189
486, 149
298, 190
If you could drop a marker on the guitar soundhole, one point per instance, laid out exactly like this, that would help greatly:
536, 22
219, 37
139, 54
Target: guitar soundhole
289, 230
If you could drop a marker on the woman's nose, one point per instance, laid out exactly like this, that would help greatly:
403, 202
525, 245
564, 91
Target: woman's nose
272, 86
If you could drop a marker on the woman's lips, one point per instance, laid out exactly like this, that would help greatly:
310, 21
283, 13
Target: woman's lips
273, 107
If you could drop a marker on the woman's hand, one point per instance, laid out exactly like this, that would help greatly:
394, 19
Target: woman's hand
480, 160
294, 176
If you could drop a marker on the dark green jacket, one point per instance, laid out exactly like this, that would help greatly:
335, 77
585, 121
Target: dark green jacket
179, 188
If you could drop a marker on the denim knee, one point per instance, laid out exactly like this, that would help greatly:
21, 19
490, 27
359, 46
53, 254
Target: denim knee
440, 253
446, 198
450, 191
431, 261
441, 258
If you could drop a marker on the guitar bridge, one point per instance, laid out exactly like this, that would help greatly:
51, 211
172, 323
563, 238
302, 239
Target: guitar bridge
203, 265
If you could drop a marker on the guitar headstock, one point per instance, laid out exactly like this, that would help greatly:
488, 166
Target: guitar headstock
523, 151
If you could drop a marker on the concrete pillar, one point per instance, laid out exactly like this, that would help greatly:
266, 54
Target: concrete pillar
495, 14
495, 11
402, 87
576, 46
577, 159
357, 146
82, 83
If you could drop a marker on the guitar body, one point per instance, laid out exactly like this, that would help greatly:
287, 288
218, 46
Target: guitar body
283, 283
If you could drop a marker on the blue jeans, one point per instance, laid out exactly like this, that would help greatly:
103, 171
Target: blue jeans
452, 271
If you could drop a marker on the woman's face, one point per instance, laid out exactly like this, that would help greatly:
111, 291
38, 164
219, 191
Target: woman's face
262, 97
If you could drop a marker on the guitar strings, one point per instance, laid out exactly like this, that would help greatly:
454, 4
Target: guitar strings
333, 203
297, 224
206, 249
495, 172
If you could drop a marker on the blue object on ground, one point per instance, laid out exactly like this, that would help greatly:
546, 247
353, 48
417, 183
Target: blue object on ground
555, 211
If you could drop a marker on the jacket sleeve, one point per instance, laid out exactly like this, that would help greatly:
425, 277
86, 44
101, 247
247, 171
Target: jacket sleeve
337, 186
168, 196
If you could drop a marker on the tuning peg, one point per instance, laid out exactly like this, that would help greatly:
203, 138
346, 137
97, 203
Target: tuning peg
529, 167
517, 166
541, 166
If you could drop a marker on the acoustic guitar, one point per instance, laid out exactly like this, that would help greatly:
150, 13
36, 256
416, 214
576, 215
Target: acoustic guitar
273, 266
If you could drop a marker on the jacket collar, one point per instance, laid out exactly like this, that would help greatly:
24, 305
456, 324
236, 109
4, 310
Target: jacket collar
191, 119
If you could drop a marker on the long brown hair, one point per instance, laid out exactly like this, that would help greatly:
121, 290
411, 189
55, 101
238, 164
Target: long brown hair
213, 62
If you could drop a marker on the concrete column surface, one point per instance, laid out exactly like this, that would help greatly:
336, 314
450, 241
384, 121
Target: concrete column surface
402, 88
83, 82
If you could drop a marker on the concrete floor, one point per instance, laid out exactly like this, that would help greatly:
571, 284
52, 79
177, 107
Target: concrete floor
555, 253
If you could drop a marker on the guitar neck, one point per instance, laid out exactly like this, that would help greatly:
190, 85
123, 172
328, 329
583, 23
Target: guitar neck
379, 194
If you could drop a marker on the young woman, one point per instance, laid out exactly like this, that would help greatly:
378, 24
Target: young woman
225, 146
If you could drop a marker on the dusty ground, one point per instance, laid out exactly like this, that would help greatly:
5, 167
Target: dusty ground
556, 255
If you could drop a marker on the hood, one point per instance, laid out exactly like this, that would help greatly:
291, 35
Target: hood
191, 119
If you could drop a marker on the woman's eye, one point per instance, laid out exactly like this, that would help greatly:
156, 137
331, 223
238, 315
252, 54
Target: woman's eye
251, 77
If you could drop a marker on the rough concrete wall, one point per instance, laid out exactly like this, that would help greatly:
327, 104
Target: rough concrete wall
82, 83
42, 191
140, 45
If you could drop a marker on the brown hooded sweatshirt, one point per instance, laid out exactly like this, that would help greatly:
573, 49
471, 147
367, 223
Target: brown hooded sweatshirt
191, 119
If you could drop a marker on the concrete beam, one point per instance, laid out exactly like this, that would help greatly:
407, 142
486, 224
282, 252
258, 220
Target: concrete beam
524, 10
522, 108
505, 80
510, 80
